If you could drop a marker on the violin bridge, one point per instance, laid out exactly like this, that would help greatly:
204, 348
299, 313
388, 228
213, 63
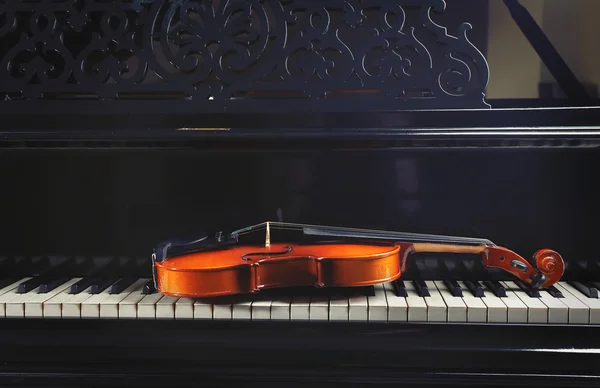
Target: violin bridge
268, 236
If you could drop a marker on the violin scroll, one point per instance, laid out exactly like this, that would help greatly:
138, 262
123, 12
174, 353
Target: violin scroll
551, 264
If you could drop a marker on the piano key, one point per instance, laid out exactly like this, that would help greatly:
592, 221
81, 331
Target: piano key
165, 307
29, 285
71, 307
456, 308
339, 308
537, 311
149, 287
83, 284
437, 311
261, 308
495, 287
417, 308
122, 284
102, 284
421, 288
475, 288
109, 308
203, 309
319, 308
146, 307
555, 292
593, 304
399, 288
517, 310
128, 306
530, 291
184, 308
397, 307
378, 305
15, 307
476, 309
34, 307
8, 293
242, 309
280, 308
8, 281
50, 284
222, 308
453, 287
52, 308
558, 312
358, 308
300, 308
579, 312
585, 288
90, 308
497, 312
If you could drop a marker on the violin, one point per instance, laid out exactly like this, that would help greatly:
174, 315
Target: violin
277, 254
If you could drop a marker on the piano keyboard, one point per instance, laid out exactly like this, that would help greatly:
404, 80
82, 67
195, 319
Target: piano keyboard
404, 301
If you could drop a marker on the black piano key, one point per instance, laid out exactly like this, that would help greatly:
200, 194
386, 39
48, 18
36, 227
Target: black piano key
475, 288
585, 288
122, 284
454, 287
51, 284
496, 288
532, 292
29, 285
101, 285
400, 288
421, 287
149, 288
83, 284
555, 292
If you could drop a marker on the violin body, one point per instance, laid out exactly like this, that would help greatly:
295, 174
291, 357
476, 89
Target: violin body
295, 255
248, 269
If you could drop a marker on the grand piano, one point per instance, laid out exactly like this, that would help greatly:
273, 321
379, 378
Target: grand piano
127, 123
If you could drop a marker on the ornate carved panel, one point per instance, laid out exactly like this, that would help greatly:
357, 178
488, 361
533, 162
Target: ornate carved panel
219, 55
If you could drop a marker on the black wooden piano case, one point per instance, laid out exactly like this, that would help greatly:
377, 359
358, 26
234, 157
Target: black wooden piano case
128, 122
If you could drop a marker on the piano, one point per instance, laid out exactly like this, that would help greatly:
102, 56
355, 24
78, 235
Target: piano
128, 123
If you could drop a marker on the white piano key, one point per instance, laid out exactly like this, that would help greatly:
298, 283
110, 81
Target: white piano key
8, 293
15, 307
592, 303
319, 308
242, 308
579, 312
34, 307
261, 308
397, 307
476, 309
517, 310
165, 307
128, 307
52, 308
109, 307
223, 308
358, 308
378, 307
437, 311
90, 308
339, 308
417, 308
71, 307
280, 308
146, 307
300, 308
558, 312
457, 310
184, 308
537, 311
203, 309
497, 312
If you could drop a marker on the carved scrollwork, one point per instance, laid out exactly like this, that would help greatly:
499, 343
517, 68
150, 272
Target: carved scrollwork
218, 51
